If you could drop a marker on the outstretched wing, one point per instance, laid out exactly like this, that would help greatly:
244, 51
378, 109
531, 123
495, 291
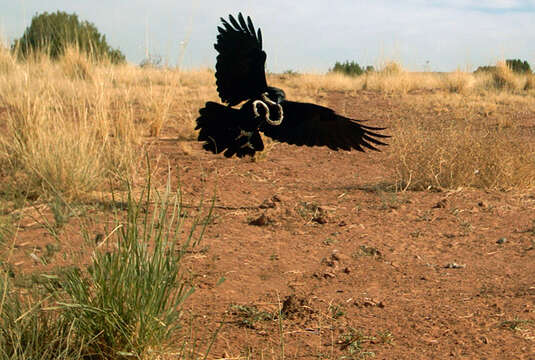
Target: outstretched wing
315, 125
240, 64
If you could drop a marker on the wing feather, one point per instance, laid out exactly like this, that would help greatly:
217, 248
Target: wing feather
315, 125
240, 67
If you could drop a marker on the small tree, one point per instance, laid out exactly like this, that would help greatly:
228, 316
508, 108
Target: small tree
54, 32
349, 68
518, 66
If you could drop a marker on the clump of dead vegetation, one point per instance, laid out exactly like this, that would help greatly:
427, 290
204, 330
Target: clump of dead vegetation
452, 155
458, 82
70, 125
504, 77
469, 137
452, 141
7, 61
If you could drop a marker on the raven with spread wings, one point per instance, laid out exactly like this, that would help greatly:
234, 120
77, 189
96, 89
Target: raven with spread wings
240, 76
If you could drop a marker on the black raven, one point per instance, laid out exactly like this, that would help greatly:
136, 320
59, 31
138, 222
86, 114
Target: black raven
241, 77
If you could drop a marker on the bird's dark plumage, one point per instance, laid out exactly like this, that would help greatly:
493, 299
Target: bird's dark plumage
240, 76
315, 125
241, 60
221, 129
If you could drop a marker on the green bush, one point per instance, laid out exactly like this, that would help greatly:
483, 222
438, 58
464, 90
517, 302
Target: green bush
350, 68
518, 66
53, 33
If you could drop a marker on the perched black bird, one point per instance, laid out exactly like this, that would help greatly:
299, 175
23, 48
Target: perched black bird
241, 77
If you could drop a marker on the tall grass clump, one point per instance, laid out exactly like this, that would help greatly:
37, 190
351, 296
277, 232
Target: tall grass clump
458, 81
68, 125
75, 64
7, 60
530, 83
304, 86
504, 78
127, 303
390, 68
62, 135
29, 331
448, 155
392, 78
131, 299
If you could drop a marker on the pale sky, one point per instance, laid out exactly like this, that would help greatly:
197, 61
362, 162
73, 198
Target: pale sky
308, 35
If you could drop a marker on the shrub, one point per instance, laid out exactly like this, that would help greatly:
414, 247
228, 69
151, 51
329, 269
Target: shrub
515, 65
53, 33
518, 66
349, 68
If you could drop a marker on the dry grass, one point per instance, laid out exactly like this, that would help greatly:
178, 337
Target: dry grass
76, 65
458, 82
391, 78
69, 126
455, 129
447, 141
530, 83
504, 78
453, 155
7, 61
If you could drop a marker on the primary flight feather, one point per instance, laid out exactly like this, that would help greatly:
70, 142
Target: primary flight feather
240, 76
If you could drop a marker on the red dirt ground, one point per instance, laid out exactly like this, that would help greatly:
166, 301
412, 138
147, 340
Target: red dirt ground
354, 267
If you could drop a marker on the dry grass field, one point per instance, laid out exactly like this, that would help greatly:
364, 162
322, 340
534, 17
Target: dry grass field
424, 250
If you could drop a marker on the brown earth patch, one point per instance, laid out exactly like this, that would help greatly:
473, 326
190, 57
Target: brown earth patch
322, 258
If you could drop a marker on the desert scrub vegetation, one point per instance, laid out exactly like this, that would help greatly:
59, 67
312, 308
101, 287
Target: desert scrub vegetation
53, 33
68, 126
127, 303
351, 68
449, 130
447, 141
391, 78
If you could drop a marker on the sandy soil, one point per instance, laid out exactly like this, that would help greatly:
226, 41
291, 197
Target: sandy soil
356, 269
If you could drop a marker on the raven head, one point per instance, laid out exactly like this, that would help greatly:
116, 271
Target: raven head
275, 94
271, 104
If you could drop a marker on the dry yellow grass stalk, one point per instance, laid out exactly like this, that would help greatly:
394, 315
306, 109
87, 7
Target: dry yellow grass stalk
67, 126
